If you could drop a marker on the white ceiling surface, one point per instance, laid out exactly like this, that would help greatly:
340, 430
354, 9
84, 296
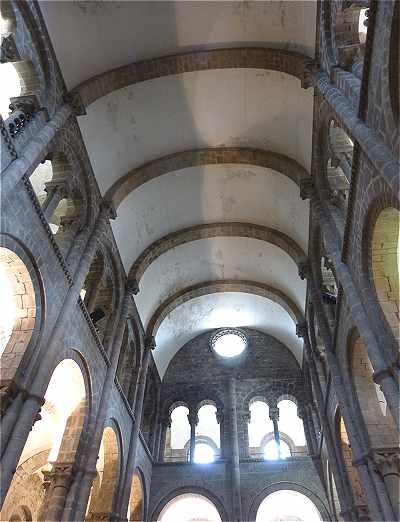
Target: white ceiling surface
230, 107
209, 194
217, 258
98, 36
223, 310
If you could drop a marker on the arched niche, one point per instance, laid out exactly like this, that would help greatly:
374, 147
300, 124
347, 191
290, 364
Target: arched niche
53, 440
189, 507
100, 504
137, 501
287, 504
385, 262
19, 309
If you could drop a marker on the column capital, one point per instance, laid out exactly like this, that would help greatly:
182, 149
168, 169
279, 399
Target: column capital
306, 186
386, 461
193, 419
107, 209
150, 342
304, 269
219, 415
166, 421
274, 413
132, 287
302, 329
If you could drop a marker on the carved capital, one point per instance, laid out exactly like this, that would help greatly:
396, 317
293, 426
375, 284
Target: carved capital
9, 51
150, 342
107, 209
7, 395
166, 421
386, 461
220, 416
75, 101
301, 329
193, 419
132, 287
306, 188
304, 269
274, 413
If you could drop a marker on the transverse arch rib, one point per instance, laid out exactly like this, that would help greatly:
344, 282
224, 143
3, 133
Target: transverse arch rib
210, 230
207, 156
290, 62
222, 286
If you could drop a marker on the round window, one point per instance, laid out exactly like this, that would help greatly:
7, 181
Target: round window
229, 343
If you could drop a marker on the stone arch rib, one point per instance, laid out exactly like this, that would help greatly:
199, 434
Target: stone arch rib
210, 230
222, 286
289, 62
207, 156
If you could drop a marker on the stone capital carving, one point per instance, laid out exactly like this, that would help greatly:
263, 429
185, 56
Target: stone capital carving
302, 329
220, 416
274, 413
75, 101
304, 269
132, 287
107, 209
193, 419
386, 461
150, 342
9, 51
306, 188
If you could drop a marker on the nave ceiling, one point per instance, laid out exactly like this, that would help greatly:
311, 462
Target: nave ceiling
237, 109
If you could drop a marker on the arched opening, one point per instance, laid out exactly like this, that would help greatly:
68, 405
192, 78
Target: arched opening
150, 407
52, 441
273, 452
128, 366
17, 312
385, 257
347, 455
106, 482
259, 426
340, 150
287, 505
379, 423
290, 423
207, 435
189, 507
351, 32
136, 501
178, 435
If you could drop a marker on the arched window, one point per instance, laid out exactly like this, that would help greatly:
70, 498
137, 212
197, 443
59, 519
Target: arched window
347, 455
189, 507
178, 435
385, 254
17, 312
106, 482
207, 428
290, 423
259, 426
287, 505
53, 438
274, 452
136, 501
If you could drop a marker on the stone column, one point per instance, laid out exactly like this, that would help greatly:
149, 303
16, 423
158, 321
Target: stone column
193, 421
78, 498
14, 439
274, 416
55, 193
130, 465
233, 457
386, 462
59, 478
165, 424
342, 485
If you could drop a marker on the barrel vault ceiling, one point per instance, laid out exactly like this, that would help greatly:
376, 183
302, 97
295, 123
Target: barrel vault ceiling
199, 138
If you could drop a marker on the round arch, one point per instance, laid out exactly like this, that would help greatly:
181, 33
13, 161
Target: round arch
194, 490
288, 486
137, 510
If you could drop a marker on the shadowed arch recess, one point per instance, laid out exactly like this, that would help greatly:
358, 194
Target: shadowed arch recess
289, 62
212, 287
207, 156
228, 229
